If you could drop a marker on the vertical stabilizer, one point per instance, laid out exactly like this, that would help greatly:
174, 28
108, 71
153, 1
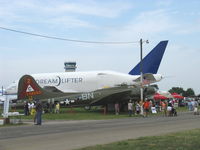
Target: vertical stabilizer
151, 62
28, 89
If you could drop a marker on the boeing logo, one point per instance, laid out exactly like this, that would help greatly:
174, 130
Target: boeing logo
58, 80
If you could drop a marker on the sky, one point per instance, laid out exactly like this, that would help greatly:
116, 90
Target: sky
100, 20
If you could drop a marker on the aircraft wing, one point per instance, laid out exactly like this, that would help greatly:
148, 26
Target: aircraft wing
52, 89
112, 95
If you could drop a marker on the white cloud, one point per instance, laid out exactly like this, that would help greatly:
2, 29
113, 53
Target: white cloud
54, 8
68, 22
153, 22
92, 8
59, 13
165, 3
180, 62
188, 28
148, 24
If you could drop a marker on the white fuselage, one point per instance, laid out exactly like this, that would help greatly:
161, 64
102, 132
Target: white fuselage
79, 81
74, 82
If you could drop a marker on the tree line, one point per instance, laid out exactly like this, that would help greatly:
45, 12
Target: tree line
186, 93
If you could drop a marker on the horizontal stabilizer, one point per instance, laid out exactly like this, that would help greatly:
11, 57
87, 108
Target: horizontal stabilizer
148, 78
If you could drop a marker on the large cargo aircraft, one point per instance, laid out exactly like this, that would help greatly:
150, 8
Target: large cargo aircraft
80, 82
29, 89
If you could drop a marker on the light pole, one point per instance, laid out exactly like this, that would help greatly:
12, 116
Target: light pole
141, 71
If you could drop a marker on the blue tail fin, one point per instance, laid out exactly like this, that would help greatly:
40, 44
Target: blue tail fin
151, 62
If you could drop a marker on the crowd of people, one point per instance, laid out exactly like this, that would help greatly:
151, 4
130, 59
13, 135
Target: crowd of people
193, 106
29, 108
167, 107
36, 109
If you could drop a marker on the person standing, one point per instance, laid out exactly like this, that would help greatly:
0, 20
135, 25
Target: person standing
39, 109
164, 108
146, 108
26, 109
195, 108
189, 105
137, 108
117, 108
32, 110
57, 108
51, 107
130, 108
169, 110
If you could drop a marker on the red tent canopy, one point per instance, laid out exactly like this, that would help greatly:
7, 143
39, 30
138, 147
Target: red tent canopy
176, 95
159, 96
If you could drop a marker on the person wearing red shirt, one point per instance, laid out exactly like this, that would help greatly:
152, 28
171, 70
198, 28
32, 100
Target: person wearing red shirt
146, 107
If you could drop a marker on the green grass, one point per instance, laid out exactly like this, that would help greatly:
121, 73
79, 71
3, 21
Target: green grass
78, 114
187, 140
96, 113
182, 109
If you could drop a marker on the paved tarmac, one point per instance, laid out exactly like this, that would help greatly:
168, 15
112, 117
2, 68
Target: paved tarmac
67, 135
